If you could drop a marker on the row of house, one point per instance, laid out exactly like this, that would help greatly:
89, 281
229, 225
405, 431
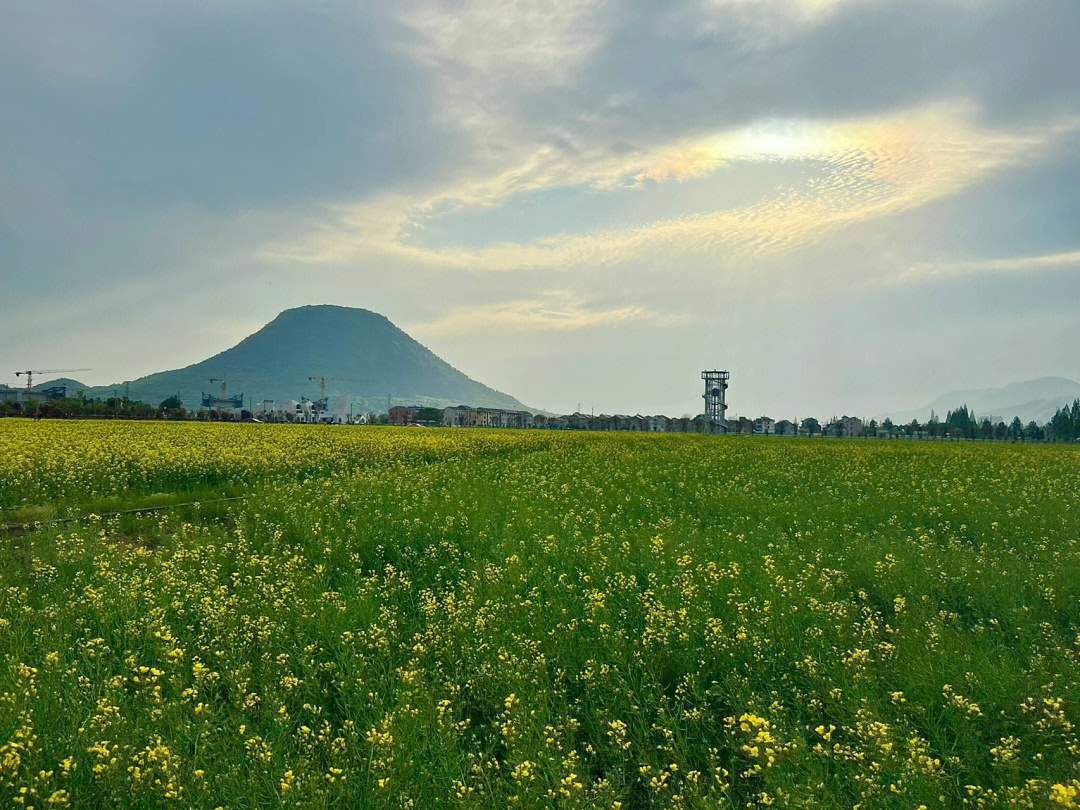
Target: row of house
844, 427
307, 412
467, 416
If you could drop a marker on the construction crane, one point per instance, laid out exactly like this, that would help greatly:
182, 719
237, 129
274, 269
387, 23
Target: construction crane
322, 385
30, 372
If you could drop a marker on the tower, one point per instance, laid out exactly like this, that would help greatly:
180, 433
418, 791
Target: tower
716, 383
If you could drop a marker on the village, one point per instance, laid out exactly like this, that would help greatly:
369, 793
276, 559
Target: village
466, 416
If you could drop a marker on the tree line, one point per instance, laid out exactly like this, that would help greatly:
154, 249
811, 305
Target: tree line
82, 407
1065, 424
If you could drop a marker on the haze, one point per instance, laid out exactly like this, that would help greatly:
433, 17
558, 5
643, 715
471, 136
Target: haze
853, 207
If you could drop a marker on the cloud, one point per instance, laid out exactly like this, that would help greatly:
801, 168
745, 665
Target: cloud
867, 168
1002, 265
555, 311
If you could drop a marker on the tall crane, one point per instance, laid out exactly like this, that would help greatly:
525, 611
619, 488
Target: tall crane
322, 385
30, 372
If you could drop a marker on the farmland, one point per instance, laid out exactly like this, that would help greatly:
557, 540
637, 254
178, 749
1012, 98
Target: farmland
435, 618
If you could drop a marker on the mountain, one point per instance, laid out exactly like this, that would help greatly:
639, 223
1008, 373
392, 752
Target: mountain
1033, 400
370, 355
73, 386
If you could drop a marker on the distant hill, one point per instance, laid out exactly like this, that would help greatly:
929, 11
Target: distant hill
73, 386
374, 356
1033, 400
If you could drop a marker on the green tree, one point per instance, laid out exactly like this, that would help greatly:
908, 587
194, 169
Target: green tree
429, 416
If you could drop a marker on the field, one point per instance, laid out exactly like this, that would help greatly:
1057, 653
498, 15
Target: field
431, 618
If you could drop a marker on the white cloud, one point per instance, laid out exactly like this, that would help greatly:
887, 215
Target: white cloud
555, 311
870, 168
1007, 264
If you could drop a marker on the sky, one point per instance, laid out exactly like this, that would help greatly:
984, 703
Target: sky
853, 207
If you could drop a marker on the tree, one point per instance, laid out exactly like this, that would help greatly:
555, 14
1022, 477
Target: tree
429, 416
961, 423
1016, 429
171, 403
810, 425
933, 426
888, 426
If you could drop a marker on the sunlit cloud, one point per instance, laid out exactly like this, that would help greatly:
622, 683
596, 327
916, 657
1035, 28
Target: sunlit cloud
1005, 264
556, 311
866, 169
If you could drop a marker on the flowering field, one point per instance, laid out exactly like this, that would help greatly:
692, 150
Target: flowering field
429, 618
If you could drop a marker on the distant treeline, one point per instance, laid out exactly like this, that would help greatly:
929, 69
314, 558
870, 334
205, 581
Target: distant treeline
1065, 424
109, 408
963, 424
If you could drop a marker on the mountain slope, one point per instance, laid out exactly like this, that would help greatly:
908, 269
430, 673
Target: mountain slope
274, 363
1032, 400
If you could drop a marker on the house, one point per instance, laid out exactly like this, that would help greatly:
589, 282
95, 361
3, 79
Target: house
402, 415
764, 426
745, 425
845, 426
456, 416
288, 411
578, 421
604, 421
785, 427
486, 417
516, 419
850, 426
659, 424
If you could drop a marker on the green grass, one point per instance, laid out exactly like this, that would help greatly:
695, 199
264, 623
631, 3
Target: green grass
429, 619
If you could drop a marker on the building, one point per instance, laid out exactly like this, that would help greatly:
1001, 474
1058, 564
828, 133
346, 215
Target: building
517, 419
785, 427
764, 426
456, 416
850, 426
659, 424
402, 415
486, 417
